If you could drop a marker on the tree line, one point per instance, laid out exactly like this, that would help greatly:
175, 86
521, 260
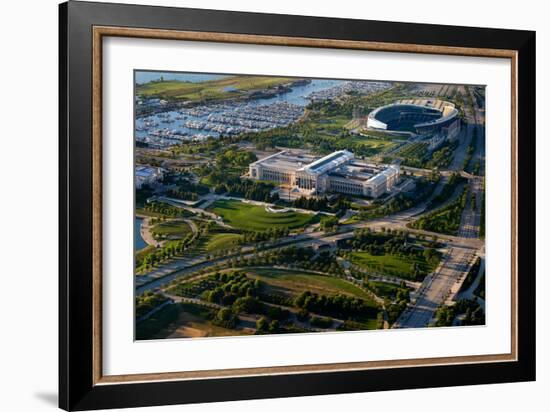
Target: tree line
259, 191
338, 306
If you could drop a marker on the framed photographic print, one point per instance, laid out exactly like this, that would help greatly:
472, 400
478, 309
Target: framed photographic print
257, 205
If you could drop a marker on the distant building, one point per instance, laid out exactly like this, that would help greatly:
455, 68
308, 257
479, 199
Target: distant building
338, 172
148, 175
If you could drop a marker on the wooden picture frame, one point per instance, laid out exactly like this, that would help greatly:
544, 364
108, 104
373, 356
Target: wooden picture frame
83, 25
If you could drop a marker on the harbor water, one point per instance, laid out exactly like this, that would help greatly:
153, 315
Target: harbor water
139, 243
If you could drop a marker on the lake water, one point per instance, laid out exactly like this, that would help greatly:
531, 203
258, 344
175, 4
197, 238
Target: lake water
298, 94
146, 77
139, 242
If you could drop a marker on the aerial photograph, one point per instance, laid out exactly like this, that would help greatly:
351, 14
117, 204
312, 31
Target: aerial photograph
277, 205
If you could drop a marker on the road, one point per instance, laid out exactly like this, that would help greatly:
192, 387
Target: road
471, 217
435, 289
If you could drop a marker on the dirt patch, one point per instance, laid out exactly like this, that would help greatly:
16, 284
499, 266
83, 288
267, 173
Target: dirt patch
186, 332
191, 326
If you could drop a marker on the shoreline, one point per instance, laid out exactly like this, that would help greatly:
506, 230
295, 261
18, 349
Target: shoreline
145, 231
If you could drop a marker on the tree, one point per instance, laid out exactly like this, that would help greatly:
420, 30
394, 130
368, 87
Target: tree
274, 326
262, 324
215, 295
329, 223
247, 304
224, 314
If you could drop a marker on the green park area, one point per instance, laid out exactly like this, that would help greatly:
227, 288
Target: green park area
446, 219
377, 144
223, 241
385, 289
246, 216
294, 282
226, 87
171, 228
406, 266
323, 129
215, 239
297, 300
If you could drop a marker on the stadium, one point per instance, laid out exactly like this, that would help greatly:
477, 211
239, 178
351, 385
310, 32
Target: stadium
418, 116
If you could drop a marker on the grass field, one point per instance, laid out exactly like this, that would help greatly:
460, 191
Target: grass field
399, 266
251, 217
214, 89
174, 228
221, 241
294, 282
387, 135
373, 143
330, 123
384, 289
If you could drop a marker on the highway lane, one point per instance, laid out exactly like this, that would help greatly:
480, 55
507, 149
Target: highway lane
435, 289
471, 217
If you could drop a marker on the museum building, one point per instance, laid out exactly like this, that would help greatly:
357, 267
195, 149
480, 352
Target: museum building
337, 172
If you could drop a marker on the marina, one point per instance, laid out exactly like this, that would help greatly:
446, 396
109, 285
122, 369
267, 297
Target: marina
226, 118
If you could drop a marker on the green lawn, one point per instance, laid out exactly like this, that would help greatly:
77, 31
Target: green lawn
296, 282
389, 264
176, 228
373, 143
217, 239
384, 289
221, 241
386, 135
245, 216
330, 123
213, 89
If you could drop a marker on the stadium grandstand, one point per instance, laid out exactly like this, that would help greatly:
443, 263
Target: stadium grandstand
417, 116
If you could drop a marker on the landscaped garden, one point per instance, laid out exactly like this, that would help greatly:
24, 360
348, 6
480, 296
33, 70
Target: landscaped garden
247, 216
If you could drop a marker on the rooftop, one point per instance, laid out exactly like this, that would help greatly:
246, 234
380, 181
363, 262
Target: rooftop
148, 171
329, 162
363, 172
286, 160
